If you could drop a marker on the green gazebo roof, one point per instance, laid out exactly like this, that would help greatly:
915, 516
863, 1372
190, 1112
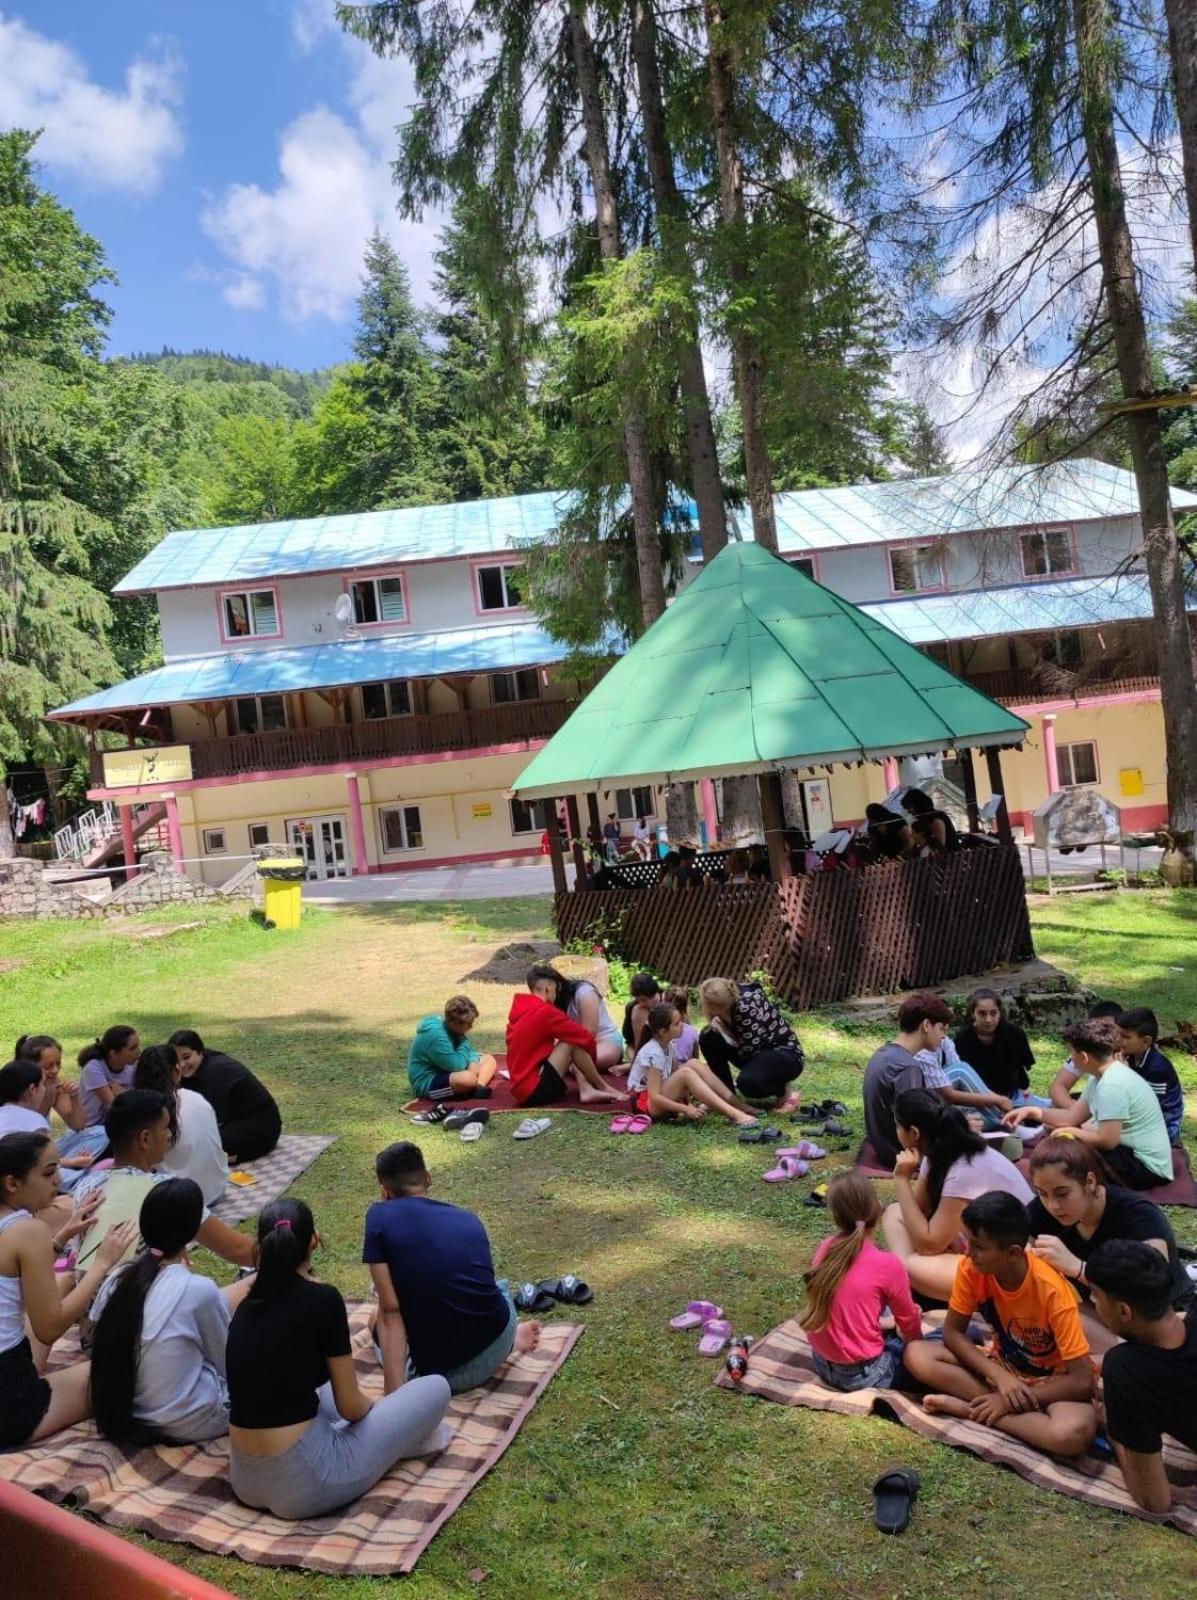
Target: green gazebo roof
753, 668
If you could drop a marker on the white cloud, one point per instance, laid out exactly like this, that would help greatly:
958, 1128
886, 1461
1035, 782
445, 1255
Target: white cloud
109, 138
300, 241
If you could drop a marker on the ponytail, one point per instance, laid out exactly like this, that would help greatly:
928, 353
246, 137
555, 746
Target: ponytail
945, 1135
29, 1046
156, 1067
856, 1211
109, 1042
286, 1230
170, 1219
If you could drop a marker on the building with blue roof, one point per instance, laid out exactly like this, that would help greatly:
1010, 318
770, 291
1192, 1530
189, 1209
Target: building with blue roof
367, 687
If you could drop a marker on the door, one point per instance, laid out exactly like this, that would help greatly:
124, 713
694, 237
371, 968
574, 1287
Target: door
321, 843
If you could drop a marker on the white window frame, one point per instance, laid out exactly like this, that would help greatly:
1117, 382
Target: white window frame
1066, 759
375, 582
633, 814
536, 824
257, 700
257, 844
916, 549
211, 848
386, 685
400, 808
513, 678
1045, 535
502, 568
228, 633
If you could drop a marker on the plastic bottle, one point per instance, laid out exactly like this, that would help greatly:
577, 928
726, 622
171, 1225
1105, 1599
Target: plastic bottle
737, 1359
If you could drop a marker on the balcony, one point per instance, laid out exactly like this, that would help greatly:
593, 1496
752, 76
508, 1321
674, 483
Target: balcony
1025, 685
378, 740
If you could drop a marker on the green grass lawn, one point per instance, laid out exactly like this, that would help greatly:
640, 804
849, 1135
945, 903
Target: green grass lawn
634, 1476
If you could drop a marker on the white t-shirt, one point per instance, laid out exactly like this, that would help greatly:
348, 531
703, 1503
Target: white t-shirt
649, 1055
641, 831
19, 1119
197, 1152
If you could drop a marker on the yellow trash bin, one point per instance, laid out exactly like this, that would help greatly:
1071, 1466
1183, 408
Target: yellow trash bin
282, 878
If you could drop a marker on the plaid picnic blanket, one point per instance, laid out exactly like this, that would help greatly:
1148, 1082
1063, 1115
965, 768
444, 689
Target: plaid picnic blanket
290, 1159
780, 1368
502, 1099
181, 1493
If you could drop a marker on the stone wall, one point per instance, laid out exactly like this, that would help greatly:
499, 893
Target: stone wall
28, 890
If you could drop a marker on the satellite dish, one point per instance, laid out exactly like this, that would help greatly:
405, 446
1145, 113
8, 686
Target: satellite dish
343, 610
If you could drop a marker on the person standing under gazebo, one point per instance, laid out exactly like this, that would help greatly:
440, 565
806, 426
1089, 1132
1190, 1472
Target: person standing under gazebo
746, 1030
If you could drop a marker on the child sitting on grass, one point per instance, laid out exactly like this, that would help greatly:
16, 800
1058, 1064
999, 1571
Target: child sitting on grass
850, 1284
1138, 1031
665, 1089
1035, 1382
645, 992
442, 1063
686, 1045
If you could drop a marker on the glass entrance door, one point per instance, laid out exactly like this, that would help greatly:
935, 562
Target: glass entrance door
321, 843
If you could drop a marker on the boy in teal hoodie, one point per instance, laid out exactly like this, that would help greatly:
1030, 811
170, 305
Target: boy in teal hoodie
442, 1063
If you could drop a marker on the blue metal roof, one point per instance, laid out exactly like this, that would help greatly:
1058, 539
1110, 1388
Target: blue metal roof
811, 519
959, 502
1020, 608
326, 666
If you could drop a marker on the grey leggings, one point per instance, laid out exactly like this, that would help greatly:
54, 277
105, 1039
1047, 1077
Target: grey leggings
337, 1461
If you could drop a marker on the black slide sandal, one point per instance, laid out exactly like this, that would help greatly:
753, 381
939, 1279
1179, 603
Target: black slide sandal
894, 1495
569, 1291
531, 1297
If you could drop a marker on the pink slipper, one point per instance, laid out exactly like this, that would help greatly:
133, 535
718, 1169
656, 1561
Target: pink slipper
715, 1335
804, 1150
695, 1315
620, 1124
640, 1123
787, 1167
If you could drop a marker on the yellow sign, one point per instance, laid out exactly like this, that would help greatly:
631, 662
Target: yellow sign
482, 810
1130, 781
129, 769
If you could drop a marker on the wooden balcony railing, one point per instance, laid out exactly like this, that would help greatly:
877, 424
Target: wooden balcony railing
375, 740
1025, 685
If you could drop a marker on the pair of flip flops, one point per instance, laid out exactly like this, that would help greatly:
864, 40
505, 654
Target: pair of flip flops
762, 1133
532, 1127
794, 1162
472, 1124
640, 1123
543, 1296
894, 1495
704, 1314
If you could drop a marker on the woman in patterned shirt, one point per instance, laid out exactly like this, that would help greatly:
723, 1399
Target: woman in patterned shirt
746, 1030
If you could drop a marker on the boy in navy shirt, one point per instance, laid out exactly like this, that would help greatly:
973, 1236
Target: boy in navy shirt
1138, 1031
440, 1309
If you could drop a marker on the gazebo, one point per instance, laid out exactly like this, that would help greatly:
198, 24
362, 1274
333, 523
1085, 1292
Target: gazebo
753, 670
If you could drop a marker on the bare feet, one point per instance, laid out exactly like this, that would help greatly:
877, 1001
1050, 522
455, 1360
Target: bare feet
746, 1120
790, 1102
591, 1096
947, 1405
527, 1337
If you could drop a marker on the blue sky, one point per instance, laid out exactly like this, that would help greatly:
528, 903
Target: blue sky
230, 155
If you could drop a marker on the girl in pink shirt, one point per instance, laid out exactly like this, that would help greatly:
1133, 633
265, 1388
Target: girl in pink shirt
850, 1284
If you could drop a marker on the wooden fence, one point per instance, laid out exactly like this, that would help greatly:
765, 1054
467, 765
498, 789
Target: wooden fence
897, 925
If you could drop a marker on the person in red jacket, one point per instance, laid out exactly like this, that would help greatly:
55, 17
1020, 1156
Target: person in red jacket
544, 1047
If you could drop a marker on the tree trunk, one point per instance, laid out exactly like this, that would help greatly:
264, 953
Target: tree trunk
743, 823
1182, 44
706, 478
635, 432
7, 848
750, 376
1124, 306
681, 815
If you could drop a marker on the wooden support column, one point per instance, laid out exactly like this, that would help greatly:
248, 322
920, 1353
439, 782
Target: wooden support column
592, 811
993, 761
773, 816
556, 859
575, 833
969, 774
128, 843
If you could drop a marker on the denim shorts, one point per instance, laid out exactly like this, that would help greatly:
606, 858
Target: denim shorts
879, 1373
487, 1362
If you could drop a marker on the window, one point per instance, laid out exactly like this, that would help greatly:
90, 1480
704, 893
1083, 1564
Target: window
1064, 649
377, 601
530, 816
632, 804
259, 834
401, 829
916, 568
1046, 553
1076, 763
498, 588
250, 614
804, 564
260, 713
507, 688
391, 699
214, 842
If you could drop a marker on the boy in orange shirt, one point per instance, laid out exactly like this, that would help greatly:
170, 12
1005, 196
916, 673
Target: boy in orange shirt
1035, 1381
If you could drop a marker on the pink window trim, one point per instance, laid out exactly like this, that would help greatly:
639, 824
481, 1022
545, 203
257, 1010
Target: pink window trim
247, 589
916, 544
1070, 745
349, 579
1074, 570
476, 588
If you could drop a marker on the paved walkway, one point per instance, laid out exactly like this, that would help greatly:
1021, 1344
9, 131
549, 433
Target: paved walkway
482, 881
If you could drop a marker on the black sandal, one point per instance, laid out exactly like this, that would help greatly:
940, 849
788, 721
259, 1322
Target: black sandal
569, 1291
894, 1495
532, 1297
